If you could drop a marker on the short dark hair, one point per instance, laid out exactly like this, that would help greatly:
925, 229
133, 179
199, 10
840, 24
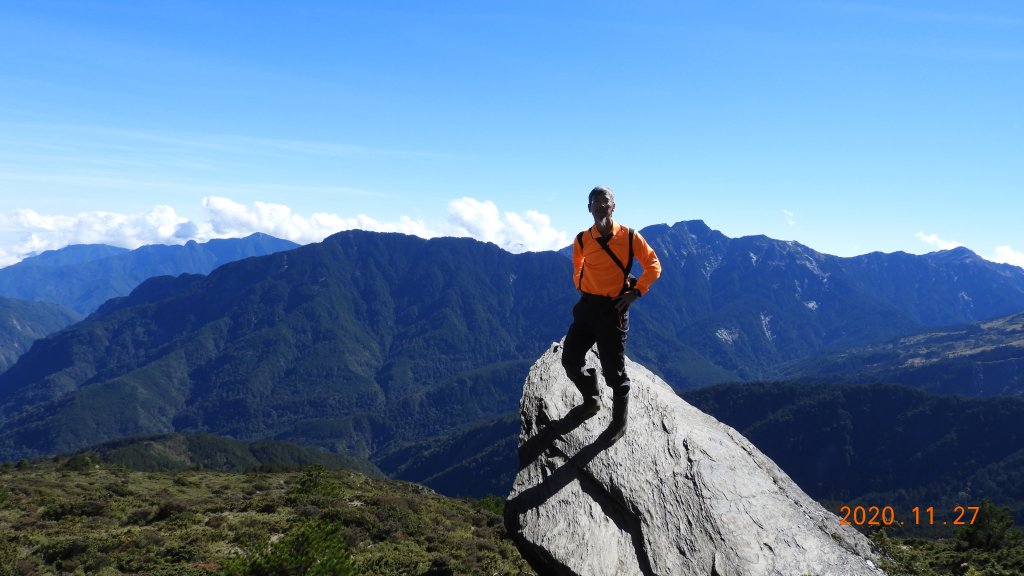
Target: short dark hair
600, 190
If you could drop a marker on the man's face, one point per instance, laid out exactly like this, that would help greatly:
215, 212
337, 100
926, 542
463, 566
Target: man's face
601, 206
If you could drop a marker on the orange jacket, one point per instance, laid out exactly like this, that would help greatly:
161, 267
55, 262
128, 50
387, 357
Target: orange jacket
594, 271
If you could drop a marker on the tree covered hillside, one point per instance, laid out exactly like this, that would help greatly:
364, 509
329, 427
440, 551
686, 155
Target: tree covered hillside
367, 342
881, 444
23, 322
348, 344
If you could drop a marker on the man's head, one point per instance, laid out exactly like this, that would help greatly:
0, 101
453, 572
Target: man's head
601, 191
601, 203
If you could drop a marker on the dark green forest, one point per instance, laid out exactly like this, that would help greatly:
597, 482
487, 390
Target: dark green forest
881, 445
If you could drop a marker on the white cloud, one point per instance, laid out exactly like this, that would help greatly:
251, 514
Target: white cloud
39, 232
939, 243
790, 217
1007, 255
512, 231
225, 218
229, 219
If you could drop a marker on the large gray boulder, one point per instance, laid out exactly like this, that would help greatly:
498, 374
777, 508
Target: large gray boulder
679, 494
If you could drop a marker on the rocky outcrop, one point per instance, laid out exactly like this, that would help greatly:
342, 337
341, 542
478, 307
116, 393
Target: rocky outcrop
679, 494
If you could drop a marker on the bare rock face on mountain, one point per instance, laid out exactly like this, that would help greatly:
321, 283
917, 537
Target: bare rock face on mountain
679, 494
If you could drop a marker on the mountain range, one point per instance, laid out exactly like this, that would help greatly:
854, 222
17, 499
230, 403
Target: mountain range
979, 359
82, 277
881, 445
369, 343
347, 344
51, 290
23, 322
741, 309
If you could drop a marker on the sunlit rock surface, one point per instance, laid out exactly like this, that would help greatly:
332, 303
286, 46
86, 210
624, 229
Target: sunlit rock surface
680, 494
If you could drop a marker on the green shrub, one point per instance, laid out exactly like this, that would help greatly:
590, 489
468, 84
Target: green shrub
170, 509
992, 530
314, 487
899, 559
8, 556
82, 462
493, 504
316, 549
119, 489
64, 508
313, 480
62, 552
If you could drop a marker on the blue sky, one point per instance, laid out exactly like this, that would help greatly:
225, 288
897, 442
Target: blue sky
847, 126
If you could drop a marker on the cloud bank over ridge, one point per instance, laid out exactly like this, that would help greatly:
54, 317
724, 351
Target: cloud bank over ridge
1001, 254
226, 218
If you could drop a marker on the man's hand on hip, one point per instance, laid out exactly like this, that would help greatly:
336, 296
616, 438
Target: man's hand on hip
624, 301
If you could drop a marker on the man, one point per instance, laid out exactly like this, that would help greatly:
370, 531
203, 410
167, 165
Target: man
602, 257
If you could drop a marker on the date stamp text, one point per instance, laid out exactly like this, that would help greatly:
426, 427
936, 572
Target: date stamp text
886, 516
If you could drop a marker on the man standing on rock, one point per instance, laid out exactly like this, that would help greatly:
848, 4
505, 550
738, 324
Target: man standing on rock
602, 257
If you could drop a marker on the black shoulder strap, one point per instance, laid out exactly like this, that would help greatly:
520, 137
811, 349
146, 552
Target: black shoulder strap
625, 269
630, 261
604, 246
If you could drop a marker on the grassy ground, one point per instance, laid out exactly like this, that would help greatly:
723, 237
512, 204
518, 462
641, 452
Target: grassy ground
80, 517
950, 557
77, 517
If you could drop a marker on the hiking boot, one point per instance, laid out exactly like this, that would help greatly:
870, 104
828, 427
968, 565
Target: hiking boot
587, 386
591, 406
620, 412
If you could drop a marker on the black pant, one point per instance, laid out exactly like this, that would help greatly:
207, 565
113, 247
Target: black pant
595, 319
